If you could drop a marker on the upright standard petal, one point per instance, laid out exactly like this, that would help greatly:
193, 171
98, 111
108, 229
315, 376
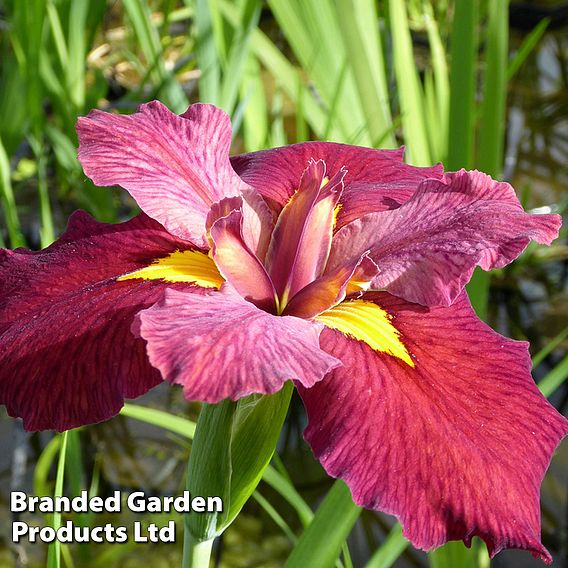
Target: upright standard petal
220, 346
301, 240
175, 167
455, 445
427, 249
239, 264
376, 180
67, 354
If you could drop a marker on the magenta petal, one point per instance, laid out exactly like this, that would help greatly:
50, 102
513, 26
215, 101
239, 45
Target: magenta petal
376, 180
238, 263
427, 248
301, 240
327, 290
220, 346
455, 447
174, 166
67, 355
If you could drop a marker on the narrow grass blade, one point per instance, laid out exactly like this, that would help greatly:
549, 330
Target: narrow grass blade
438, 135
283, 486
320, 544
255, 113
208, 59
54, 549
390, 550
549, 348
409, 87
275, 516
527, 47
8, 202
358, 24
554, 378
177, 424
462, 85
286, 75
493, 108
238, 54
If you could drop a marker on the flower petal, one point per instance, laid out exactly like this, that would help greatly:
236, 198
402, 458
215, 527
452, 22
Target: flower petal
238, 264
427, 248
301, 240
326, 291
455, 446
175, 167
376, 180
221, 346
67, 356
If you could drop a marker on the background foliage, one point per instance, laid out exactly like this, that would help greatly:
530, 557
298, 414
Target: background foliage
472, 83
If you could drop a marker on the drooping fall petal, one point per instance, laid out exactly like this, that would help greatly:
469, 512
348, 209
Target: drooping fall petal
221, 346
376, 180
175, 167
455, 445
427, 248
67, 354
301, 240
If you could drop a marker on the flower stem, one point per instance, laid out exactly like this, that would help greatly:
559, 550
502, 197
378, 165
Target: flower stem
196, 554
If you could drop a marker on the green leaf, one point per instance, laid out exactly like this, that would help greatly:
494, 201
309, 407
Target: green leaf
256, 430
526, 48
410, 90
455, 553
238, 54
549, 347
206, 52
176, 424
478, 292
8, 201
54, 549
320, 544
462, 85
554, 378
209, 468
493, 108
390, 550
232, 446
358, 25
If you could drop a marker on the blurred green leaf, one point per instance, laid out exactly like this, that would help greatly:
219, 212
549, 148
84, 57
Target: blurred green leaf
390, 550
320, 544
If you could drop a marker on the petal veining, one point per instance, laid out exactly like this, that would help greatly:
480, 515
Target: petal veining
191, 266
224, 347
455, 446
301, 240
67, 355
427, 249
175, 167
367, 322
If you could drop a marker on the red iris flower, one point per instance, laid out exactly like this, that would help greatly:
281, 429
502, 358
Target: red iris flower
340, 268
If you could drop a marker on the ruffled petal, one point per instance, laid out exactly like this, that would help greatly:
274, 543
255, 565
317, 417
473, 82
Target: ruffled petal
427, 249
175, 167
455, 445
67, 355
376, 180
221, 346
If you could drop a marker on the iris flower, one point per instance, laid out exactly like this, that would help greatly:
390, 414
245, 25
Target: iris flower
338, 267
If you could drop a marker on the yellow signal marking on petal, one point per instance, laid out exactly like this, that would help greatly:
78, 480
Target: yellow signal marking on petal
336, 213
367, 322
181, 266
